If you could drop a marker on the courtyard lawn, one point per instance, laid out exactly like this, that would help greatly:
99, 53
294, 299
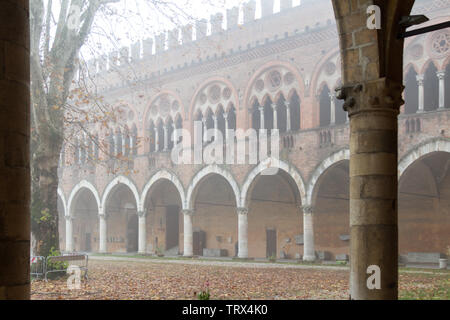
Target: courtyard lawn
124, 280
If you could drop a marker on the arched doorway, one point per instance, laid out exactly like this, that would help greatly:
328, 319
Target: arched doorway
164, 221
331, 211
122, 223
215, 227
275, 217
424, 205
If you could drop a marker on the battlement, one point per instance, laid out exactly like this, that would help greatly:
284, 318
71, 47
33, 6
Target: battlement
192, 44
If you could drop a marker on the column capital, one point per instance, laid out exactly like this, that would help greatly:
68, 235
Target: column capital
69, 218
103, 216
307, 209
420, 79
380, 95
188, 212
225, 115
142, 214
440, 75
332, 95
261, 109
287, 104
242, 211
274, 106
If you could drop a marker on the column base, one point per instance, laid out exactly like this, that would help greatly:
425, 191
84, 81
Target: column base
309, 258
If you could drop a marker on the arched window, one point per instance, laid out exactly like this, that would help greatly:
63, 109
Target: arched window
231, 117
431, 88
281, 114
111, 144
256, 115
179, 126
268, 114
133, 140
294, 106
411, 92
325, 107
160, 129
169, 125
151, 136
221, 121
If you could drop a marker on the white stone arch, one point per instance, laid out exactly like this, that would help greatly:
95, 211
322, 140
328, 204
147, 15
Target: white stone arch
164, 175
418, 152
213, 169
324, 166
270, 163
82, 185
63, 200
125, 181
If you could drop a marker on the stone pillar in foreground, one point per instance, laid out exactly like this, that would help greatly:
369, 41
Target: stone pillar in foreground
142, 243
308, 234
103, 234
288, 116
373, 107
242, 232
188, 233
14, 150
69, 234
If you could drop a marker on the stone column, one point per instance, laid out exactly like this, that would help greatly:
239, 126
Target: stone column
288, 116
156, 139
142, 244
261, 117
308, 234
103, 233
225, 117
373, 107
441, 76
188, 233
14, 150
275, 116
69, 234
420, 80
205, 130
216, 127
166, 137
116, 145
333, 109
242, 232
175, 132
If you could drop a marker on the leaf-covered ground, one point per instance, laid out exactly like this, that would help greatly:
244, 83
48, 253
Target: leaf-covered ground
151, 281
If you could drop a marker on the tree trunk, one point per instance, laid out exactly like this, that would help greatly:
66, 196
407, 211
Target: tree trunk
44, 203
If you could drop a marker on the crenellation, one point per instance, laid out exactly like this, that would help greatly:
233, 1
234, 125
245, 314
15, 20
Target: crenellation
147, 47
201, 27
124, 56
187, 34
160, 43
174, 38
216, 23
266, 8
249, 11
136, 52
285, 5
232, 18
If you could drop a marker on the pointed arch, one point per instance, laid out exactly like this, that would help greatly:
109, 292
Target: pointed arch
114, 183
164, 175
82, 185
201, 175
63, 200
272, 163
435, 145
324, 166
